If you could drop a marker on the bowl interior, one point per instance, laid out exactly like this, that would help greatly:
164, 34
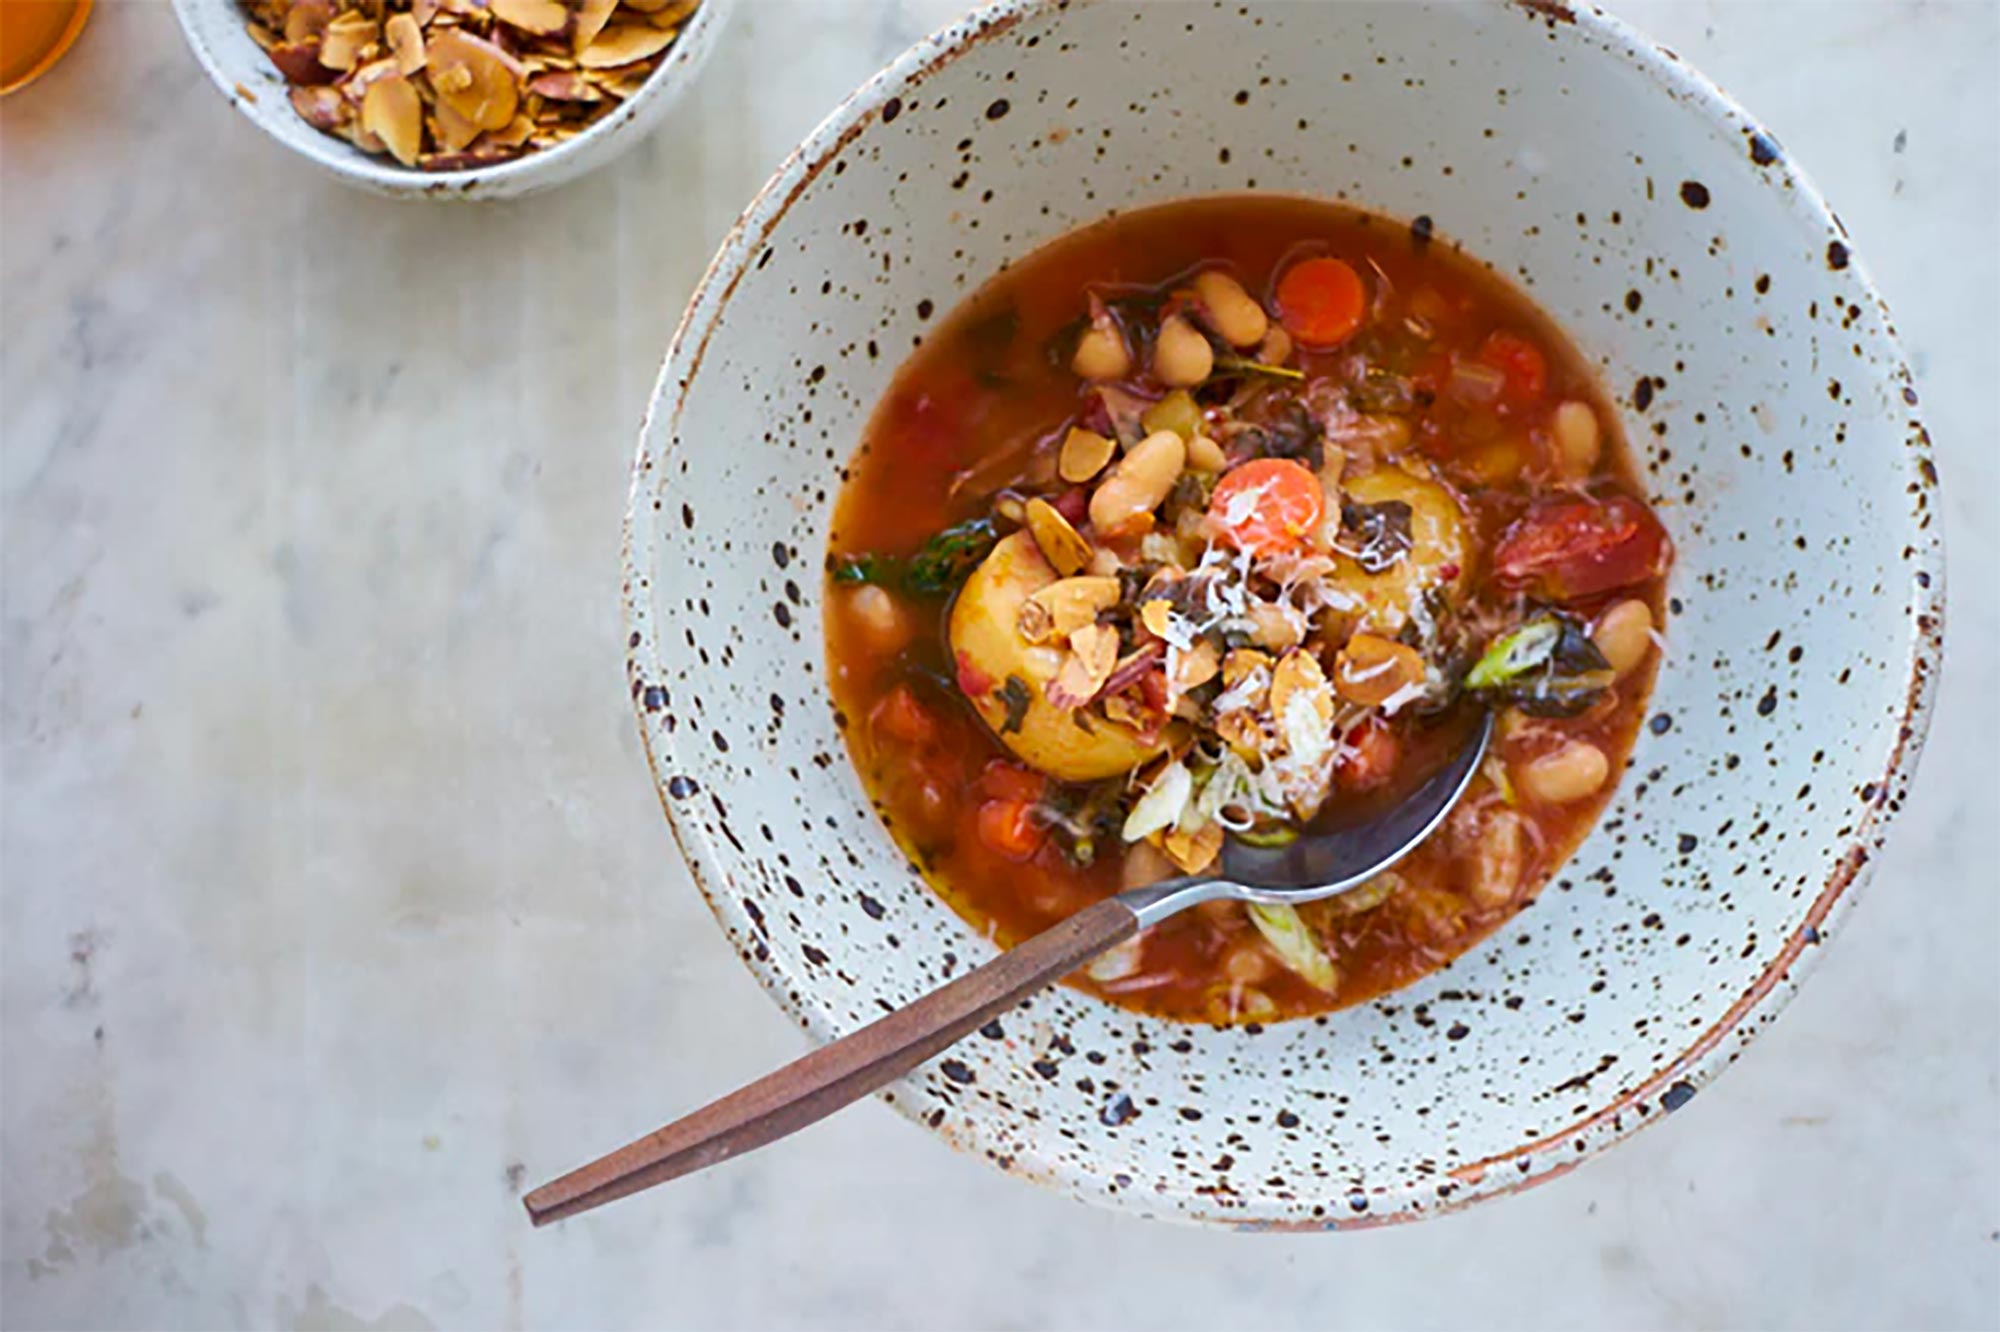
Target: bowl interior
1763, 391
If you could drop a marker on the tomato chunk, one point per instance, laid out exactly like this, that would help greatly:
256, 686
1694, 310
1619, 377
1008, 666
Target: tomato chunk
1522, 362
901, 717
1267, 506
1009, 827
1011, 781
972, 681
1575, 548
1369, 756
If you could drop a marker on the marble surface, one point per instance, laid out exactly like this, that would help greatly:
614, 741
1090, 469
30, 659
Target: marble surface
336, 902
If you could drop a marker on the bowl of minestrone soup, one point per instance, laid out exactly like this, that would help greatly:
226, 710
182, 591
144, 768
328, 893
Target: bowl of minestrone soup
1065, 468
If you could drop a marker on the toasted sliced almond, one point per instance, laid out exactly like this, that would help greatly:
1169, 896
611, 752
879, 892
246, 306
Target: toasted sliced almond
392, 112
623, 43
452, 131
624, 81
307, 18
1193, 852
1242, 732
477, 79
355, 86
1065, 606
1271, 627
669, 11
1298, 674
1093, 651
514, 135
299, 62
423, 11
1084, 454
1194, 667
591, 16
468, 160
406, 42
346, 38
321, 107
565, 85
1061, 545
265, 37
544, 18
1241, 664
368, 143
1372, 669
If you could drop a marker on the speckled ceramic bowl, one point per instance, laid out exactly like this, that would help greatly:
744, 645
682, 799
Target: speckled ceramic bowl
244, 74
1763, 385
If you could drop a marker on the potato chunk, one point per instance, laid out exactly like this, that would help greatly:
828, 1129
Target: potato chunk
989, 648
1436, 558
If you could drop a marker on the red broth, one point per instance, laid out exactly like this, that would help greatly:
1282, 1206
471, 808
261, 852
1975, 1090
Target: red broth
1448, 374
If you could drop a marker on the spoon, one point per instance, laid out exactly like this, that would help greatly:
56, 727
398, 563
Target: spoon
1306, 869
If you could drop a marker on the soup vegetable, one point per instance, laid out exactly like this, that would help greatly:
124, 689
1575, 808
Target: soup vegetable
1224, 518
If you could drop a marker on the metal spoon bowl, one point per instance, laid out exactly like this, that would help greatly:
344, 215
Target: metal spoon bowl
1308, 868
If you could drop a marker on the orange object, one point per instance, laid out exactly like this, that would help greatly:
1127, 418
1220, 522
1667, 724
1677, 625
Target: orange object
1010, 781
1008, 827
1370, 756
33, 36
1267, 506
900, 716
1522, 362
1321, 302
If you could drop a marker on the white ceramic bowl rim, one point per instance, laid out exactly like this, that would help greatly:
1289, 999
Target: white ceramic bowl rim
387, 176
1712, 1048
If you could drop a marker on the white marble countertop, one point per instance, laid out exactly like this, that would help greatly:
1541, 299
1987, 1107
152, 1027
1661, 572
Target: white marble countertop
331, 868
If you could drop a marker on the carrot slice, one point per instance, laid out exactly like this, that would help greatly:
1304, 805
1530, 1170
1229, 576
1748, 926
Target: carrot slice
1321, 302
1267, 506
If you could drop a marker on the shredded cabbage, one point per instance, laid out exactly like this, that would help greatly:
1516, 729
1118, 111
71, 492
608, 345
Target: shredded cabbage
1296, 946
1119, 963
1309, 739
1163, 803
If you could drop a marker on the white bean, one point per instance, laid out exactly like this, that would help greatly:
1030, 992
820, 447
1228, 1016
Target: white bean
1577, 437
1137, 484
1205, 455
1101, 354
1624, 634
879, 617
1182, 357
1230, 309
1570, 773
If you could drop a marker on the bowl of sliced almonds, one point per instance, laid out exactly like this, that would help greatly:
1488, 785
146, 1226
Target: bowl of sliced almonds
453, 99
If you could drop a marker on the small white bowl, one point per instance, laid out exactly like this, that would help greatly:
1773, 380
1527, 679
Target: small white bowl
245, 75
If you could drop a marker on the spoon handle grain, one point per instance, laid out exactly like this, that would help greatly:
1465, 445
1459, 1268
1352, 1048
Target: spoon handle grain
809, 1089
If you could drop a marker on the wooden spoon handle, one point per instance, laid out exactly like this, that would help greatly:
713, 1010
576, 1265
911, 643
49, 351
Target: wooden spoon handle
809, 1089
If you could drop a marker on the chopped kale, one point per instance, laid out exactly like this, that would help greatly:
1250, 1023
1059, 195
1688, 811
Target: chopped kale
1379, 533
1547, 667
1014, 694
935, 571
